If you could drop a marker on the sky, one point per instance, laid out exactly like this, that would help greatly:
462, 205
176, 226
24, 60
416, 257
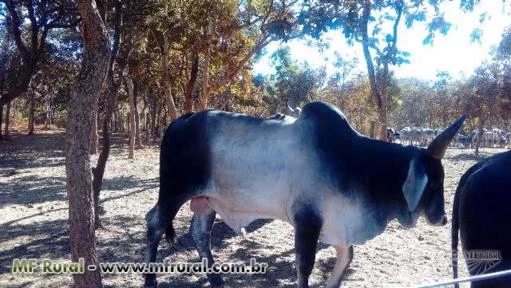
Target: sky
453, 53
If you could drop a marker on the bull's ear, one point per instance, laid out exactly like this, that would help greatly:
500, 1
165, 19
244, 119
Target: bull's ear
438, 146
414, 185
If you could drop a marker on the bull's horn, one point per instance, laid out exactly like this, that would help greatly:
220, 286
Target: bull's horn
438, 146
289, 107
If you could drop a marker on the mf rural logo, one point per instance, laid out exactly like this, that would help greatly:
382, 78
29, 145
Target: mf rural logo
481, 261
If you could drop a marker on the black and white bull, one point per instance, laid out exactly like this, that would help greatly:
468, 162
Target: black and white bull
315, 172
481, 212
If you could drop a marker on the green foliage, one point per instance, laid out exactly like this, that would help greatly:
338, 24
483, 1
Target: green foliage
485, 97
226, 37
317, 17
430, 104
294, 83
351, 93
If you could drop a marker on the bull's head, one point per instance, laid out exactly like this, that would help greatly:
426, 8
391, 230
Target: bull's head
423, 188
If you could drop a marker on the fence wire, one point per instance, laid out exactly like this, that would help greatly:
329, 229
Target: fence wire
466, 279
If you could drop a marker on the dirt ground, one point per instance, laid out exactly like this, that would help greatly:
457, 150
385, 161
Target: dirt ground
33, 224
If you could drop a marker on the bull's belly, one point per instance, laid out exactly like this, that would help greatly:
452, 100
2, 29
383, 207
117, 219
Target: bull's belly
344, 221
239, 206
253, 184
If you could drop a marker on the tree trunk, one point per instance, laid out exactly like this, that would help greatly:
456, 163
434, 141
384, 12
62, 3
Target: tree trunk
115, 121
203, 98
158, 125
148, 129
122, 121
110, 96
7, 120
479, 135
84, 93
99, 171
47, 112
138, 141
94, 137
3, 59
169, 99
372, 129
191, 82
31, 111
131, 102
112, 122
12, 122
375, 92
152, 116
379, 93
145, 119
383, 109
1, 120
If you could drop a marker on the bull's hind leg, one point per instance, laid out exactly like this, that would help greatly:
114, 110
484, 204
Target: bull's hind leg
307, 229
201, 226
344, 257
159, 220
155, 228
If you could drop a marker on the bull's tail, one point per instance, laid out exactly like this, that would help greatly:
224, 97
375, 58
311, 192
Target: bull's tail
161, 217
454, 234
170, 233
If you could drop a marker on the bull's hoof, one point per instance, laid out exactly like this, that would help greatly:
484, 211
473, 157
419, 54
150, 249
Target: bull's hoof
150, 283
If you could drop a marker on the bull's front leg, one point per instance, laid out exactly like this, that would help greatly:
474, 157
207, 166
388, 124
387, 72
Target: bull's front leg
344, 257
307, 224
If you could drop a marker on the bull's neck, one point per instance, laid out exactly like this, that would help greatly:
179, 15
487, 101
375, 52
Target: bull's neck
387, 168
395, 156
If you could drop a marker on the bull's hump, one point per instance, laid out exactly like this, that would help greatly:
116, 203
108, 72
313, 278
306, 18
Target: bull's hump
327, 117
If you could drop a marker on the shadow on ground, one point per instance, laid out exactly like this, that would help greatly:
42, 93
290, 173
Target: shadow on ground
125, 182
46, 239
470, 156
29, 190
23, 151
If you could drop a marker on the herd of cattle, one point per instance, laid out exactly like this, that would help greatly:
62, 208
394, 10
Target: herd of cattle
494, 138
331, 183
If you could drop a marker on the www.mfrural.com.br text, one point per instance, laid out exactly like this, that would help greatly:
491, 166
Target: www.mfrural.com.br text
48, 266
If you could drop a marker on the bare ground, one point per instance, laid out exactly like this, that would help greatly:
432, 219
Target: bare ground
33, 224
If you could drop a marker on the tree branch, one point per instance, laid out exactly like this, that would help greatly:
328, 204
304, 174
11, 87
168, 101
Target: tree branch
34, 28
15, 30
366, 13
391, 53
